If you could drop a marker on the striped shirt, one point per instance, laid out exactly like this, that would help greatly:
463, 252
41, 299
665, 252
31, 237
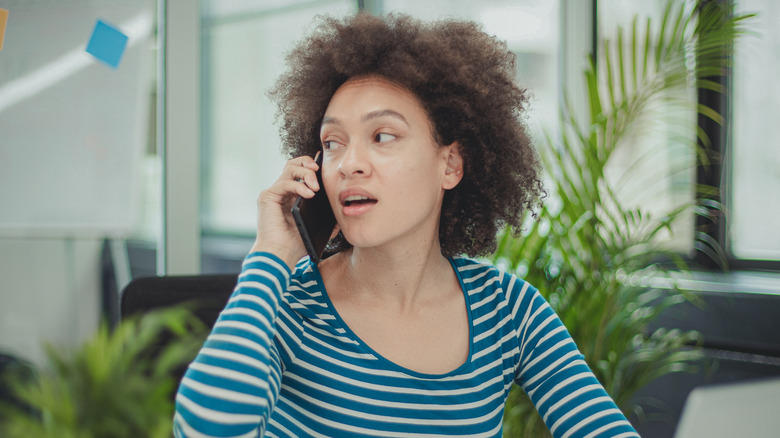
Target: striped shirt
280, 362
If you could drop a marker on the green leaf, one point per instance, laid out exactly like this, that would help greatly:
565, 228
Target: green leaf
117, 384
591, 254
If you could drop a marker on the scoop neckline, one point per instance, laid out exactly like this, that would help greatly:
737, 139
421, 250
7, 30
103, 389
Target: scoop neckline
389, 364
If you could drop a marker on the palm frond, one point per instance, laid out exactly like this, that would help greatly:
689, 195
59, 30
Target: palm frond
587, 253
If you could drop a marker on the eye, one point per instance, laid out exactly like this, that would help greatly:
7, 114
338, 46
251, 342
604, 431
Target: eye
383, 137
330, 144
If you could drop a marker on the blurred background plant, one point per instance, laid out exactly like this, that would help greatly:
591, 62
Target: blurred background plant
594, 250
118, 384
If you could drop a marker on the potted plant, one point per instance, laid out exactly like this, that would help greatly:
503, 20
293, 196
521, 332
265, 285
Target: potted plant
118, 384
591, 246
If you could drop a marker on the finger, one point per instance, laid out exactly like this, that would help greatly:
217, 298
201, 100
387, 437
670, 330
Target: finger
310, 179
304, 174
298, 188
283, 190
304, 161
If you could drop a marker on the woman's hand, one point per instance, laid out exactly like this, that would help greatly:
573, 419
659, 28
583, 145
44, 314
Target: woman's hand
276, 230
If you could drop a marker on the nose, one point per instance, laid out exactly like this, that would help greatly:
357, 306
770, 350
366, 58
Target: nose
354, 161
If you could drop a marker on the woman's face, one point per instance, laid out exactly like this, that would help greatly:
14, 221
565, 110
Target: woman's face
384, 173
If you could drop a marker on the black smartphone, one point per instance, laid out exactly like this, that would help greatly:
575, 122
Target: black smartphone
314, 218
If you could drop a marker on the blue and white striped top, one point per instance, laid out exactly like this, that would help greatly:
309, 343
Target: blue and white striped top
280, 362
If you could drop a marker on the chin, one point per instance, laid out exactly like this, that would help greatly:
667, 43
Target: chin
361, 240
360, 243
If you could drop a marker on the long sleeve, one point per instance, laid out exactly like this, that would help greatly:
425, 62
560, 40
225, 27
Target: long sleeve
230, 389
554, 374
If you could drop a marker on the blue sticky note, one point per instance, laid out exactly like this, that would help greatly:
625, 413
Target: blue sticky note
107, 43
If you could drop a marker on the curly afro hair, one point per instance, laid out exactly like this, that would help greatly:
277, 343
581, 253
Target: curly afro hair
464, 79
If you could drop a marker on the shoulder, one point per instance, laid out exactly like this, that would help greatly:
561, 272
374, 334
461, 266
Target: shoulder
482, 280
480, 273
304, 275
305, 295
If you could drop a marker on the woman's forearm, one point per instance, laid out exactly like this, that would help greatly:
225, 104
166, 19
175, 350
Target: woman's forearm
231, 386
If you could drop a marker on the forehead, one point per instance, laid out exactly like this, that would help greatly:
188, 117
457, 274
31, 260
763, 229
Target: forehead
375, 92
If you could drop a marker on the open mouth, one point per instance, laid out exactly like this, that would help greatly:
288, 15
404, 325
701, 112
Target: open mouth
358, 200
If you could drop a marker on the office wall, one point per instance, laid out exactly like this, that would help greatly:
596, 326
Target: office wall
73, 133
73, 128
49, 292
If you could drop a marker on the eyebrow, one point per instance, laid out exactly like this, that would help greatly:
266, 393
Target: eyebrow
370, 116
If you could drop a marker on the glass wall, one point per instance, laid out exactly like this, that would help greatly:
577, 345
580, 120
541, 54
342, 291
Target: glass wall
654, 170
755, 155
751, 179
78, 169
243, 53
531, 30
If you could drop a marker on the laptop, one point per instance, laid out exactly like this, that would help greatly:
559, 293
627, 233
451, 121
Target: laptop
744, 409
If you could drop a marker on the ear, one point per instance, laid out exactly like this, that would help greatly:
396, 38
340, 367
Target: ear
454, 171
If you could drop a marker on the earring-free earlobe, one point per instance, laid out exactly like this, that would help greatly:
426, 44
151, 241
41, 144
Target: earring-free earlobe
454, 166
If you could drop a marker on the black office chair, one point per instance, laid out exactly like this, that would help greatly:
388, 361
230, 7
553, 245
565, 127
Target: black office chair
208, 294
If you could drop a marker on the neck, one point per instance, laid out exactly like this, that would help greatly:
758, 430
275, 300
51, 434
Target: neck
401, 278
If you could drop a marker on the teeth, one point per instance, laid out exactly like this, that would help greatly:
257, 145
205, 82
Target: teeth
355, 198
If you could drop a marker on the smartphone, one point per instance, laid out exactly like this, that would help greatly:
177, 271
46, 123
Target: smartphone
314, 218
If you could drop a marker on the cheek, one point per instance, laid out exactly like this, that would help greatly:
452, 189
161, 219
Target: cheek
329, 183
419, 182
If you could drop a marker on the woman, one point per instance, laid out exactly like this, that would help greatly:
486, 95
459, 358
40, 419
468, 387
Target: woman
425, 156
